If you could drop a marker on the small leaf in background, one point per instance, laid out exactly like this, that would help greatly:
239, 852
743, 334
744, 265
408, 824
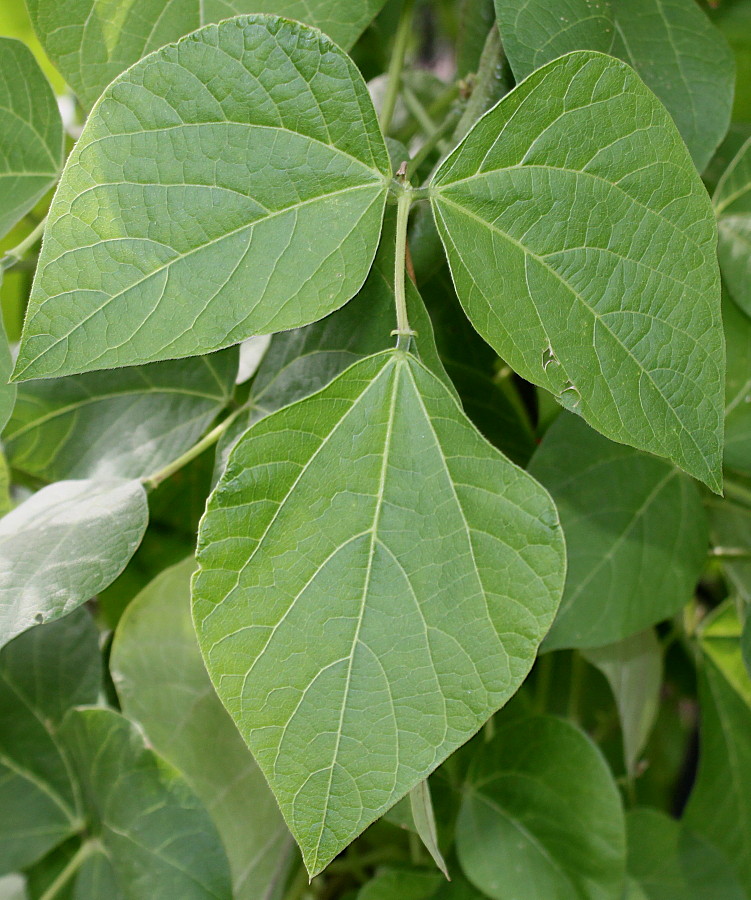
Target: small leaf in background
63, 545
732, 203
43, 673
668, 862
476, 18
636, 535
536, 31
405, 884
734, 21
633, 668
542, 816
155, 837
605, 287
737, 388
162, 684
271, 202
91, 45
126, 423
672, 44
423, 817
340, 644
31, 133
719, 808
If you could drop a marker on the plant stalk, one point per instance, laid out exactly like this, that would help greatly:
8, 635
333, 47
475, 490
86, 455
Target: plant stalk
403, 332
74, 864
16, 254
396, 66
488, 83
153, 481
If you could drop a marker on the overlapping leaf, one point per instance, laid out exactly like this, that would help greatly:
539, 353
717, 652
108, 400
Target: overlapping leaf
63, 545
228, 185
582, 248
162, 684
92, 42
671, 44
636, 535
43, 673
732, 203
125, 424
31, 133
374, 581
541, 816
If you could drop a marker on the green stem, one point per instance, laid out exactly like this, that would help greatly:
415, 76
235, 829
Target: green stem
17, 253
730, 553
396, 66
153, 481
430, 144
489, 83
75, 863
403, 332
412, 102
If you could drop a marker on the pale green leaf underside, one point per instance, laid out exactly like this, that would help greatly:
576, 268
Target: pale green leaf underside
127, 423
582, 245
636, 535
542, 816
732, 202
31, 133
228, 185
673, 46
158, 839
374, 581
43, 672
93, 41
162, 684
63, 545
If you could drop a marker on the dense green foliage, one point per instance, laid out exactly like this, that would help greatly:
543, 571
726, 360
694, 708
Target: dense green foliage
375, 478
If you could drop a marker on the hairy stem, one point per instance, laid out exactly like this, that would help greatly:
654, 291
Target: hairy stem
17, 253
403, 332
396, 66
489, 83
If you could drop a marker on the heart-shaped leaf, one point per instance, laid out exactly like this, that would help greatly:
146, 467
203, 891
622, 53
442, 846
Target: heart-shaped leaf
270, 193
374, 581
604, 286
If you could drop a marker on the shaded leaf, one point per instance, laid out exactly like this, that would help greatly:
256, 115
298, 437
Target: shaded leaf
542, 816
423, 817
92, 43
737, 388
403, 883
125, 423
636, 535
43, 672
7, 391
43, 572
633, 668
31, 133
211, 131
605, 287
162, 683
730, 529
721, 641
670, 863
157, 838
732, 203
372, 655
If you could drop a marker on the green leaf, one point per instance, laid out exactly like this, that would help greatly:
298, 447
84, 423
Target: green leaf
354, 658
43, 672
63, 545
423, 817
92, 42
686, 61
7, 391
535, 32
402, 883
737, 388
670, 863
672, 44
541, 816
732, 203
636, 535
720, 640
730, 529
31, 133
127, 423
162, 683
633, 668
157, 838
271, 202
719, 808
604, 286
